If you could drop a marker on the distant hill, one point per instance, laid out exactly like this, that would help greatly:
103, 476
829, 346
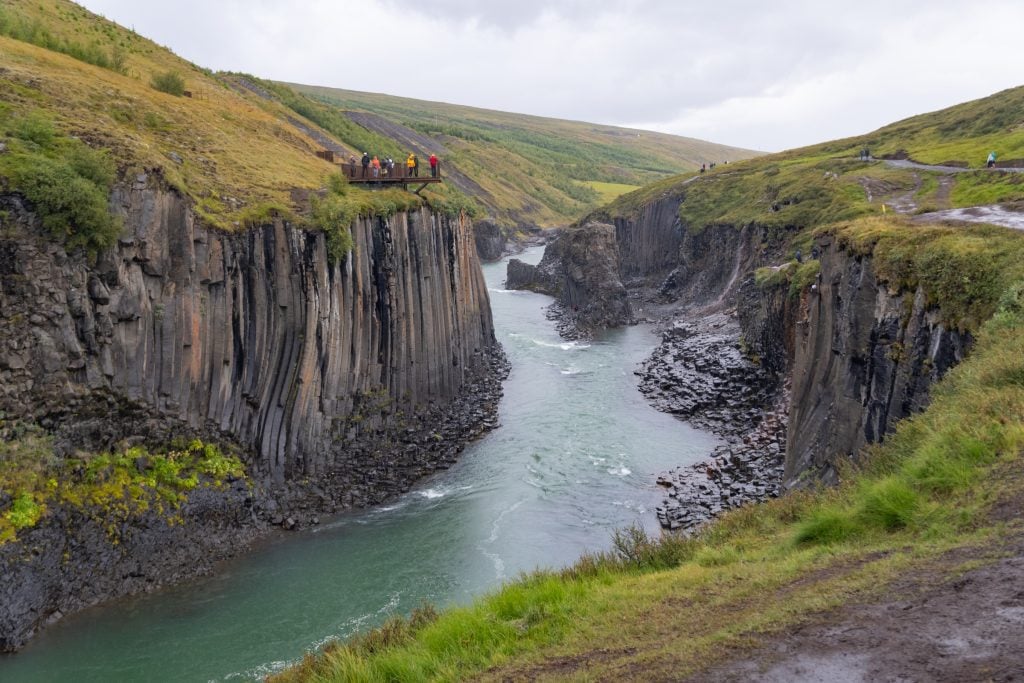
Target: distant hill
526, 168
825, 183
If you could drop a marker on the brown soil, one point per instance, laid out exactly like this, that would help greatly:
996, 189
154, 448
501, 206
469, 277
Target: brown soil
937, 624
961, 628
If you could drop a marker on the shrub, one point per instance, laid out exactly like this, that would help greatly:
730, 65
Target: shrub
25, 511
72, 207
35, 128
169, 82
334, 215
67, 182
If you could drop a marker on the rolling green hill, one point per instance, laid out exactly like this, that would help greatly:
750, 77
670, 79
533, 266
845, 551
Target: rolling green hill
526, 168
824, 183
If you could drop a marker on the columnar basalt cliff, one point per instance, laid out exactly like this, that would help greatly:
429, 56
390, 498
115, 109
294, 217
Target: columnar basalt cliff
864, 358
341, 382
649, 242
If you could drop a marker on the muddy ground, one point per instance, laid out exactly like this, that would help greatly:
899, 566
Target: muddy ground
932, 627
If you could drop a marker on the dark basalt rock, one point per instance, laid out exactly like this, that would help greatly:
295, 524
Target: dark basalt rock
580, 269
699, 374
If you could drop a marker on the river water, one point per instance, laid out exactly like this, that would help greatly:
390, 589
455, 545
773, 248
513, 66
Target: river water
575, 457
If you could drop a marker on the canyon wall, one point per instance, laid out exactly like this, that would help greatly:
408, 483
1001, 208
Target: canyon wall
580, 269
339, 383
864, 358
649, 241
254, 334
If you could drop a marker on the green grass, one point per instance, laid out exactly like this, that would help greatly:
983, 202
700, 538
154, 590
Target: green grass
670, 606
608, 192
112, 488
963, 271
98, 52
792, 192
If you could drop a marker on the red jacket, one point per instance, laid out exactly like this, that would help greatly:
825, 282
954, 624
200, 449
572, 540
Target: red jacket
433, 160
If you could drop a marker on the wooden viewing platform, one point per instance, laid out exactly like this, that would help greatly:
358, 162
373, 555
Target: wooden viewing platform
399, 175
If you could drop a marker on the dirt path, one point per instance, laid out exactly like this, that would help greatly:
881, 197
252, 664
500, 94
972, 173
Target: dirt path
905, 163
967, 628
1007, 215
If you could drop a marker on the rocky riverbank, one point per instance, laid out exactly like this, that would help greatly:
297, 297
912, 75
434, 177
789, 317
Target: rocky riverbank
700, 374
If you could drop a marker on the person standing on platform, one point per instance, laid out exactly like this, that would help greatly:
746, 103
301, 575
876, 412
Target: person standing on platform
433, 165
366, 163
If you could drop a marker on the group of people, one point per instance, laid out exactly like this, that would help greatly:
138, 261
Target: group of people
376, 167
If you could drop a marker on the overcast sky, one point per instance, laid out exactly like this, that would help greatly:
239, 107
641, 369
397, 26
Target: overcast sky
762, 75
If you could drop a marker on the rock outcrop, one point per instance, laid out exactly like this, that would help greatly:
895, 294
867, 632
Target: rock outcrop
342, 382
864, 358
491, 240
580, 269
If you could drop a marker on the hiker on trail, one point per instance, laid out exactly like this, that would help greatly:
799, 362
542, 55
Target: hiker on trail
375, 163
991, 160
366, 163
799, 256
433, 165
414, 165
702, 168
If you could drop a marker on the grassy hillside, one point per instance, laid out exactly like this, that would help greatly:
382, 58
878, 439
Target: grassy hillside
244, 148
527, 168
803, 188
76, 86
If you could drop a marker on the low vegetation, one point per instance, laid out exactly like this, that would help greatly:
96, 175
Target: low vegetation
170, 82
97, 52
111, 488
964, 272
673, 605
67, 182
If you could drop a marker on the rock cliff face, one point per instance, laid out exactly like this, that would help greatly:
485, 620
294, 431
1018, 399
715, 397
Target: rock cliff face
712, 264
491, 241
832, 369
864, 358
580, 269
649, 242
255, 335
343, 383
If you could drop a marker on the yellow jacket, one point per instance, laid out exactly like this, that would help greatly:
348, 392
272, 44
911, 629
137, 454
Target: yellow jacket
411, 161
